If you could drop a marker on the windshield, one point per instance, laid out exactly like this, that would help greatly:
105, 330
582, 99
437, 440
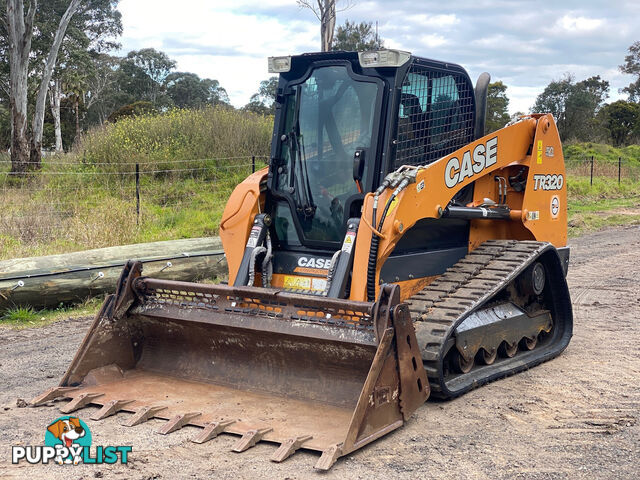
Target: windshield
327, 118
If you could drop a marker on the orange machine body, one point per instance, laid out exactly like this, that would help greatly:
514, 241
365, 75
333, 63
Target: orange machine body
531, 148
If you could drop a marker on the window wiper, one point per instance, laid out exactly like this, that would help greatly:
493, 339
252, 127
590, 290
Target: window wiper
300, 176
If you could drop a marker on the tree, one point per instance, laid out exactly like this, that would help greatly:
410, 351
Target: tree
103, 95
497, 107
631, 66
91, 31
622, 120
132, 110
216, 94
34, 42
144, 72
264, 102
574, 105
187, 90
37, 125
356, 37
325, 11
19, 35
55, 95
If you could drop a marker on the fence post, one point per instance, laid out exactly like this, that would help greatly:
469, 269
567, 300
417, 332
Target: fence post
619, 167
137, 194
253, 164
591, 183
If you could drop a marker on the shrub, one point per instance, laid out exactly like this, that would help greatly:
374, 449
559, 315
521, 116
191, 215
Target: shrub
165, 140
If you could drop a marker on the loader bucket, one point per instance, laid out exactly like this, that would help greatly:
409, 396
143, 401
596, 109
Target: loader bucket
307, 372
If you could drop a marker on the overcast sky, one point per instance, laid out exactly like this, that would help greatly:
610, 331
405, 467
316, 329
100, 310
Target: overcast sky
525, 44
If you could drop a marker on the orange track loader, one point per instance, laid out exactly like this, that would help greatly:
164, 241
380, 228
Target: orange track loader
390, 251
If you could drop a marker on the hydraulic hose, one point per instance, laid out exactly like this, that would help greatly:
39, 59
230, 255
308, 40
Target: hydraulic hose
375, 240
373, 251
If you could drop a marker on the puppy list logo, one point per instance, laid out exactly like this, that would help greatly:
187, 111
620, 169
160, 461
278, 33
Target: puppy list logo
68, 441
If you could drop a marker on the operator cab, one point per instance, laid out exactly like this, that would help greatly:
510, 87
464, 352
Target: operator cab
390, 107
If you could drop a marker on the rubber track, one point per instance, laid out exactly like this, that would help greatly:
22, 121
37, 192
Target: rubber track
441, 306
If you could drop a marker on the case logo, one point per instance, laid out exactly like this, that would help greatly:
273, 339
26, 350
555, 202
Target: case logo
483, 157
314, 262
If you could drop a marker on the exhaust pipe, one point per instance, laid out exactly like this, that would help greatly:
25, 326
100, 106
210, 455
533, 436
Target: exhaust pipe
482, 87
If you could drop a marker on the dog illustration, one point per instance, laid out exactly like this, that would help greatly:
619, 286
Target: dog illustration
67, 431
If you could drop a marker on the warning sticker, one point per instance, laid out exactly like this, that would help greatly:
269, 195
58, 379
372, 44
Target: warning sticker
349, 240
318, 284
298, 283
305, 283
539, 152
394, 202
555, 206
253, 237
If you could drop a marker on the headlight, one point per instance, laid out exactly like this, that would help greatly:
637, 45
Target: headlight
383, 58
279, 64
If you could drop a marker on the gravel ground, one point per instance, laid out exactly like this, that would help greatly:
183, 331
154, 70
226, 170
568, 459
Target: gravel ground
573, 417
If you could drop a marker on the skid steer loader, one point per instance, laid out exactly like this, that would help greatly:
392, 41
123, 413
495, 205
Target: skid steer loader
390, 251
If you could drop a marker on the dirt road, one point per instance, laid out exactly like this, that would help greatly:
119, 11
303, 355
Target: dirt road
573, 417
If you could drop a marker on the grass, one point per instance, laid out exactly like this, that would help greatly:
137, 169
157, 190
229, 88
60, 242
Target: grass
603, 204
27, 317
189, 160
577, 152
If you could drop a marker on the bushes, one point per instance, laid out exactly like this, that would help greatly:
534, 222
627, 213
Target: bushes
577, 152
190, 161
166, 139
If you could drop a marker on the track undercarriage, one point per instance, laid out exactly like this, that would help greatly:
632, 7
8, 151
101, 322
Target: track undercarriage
502, 309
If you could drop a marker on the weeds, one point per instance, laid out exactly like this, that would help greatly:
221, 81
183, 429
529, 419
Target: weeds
19, 315
190, 161
27, 317
162, 141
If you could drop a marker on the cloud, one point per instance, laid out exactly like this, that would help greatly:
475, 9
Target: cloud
438, 21
579, 24
433, 40
525, 43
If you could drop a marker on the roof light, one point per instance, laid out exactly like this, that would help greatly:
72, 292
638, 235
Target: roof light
279, 64
383, 58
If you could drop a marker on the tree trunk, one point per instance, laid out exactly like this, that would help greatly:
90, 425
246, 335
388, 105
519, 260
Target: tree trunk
19, 30
76, 105
54, 99
38, 116
327, 24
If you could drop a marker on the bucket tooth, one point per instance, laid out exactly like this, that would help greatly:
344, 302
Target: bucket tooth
52, 394
143, 414
250, 438
212, 430
328, 458
177, 422
80, 401
289, 447
110, 408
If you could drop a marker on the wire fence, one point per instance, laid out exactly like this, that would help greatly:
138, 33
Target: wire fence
592, 167
67, 206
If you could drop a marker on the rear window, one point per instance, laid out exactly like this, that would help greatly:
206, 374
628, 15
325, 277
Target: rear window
435, 116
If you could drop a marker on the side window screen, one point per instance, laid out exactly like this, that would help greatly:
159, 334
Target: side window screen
445, 109
435, 116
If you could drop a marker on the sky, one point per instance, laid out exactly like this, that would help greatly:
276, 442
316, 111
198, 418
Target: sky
525, 44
